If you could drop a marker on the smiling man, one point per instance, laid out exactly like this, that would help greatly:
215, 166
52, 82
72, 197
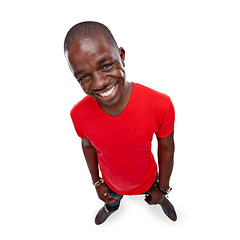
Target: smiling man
116, 122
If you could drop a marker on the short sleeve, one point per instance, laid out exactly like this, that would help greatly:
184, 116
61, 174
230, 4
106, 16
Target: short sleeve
166, 124
76, 124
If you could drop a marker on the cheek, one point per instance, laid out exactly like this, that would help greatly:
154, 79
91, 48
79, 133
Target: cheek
85, 87
117, 73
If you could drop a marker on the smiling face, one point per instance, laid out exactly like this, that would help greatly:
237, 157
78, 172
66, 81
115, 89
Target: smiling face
99, 68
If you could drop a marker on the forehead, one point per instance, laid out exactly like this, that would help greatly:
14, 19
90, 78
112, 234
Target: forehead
94, 47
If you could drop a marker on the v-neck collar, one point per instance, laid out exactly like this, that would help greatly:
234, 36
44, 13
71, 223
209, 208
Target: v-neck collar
124, 110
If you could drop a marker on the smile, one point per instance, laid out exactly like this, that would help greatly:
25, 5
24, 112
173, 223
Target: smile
108, 93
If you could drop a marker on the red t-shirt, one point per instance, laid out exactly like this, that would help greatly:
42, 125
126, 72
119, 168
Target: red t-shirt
123, 143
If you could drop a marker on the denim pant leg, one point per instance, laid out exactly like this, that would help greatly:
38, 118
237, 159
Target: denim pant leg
118, 197
115, 205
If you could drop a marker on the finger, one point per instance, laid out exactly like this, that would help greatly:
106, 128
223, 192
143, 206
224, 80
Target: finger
111, 200
146, 200
108, 198
150, 200
106, 195
148, 197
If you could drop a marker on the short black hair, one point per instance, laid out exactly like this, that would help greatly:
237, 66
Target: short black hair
87, 30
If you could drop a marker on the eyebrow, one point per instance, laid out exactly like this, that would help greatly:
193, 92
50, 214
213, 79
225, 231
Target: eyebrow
104, 59
77, 73
100, 62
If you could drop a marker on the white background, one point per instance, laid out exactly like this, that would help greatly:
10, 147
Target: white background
187, 49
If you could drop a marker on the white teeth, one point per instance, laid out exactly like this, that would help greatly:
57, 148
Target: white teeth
108, 93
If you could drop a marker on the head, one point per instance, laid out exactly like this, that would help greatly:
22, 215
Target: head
96, 61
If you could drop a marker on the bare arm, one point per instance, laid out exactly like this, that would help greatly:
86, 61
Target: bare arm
165, 160
165, 163
90, 154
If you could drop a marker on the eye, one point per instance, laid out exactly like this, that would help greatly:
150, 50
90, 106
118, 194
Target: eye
83, 77
105, 66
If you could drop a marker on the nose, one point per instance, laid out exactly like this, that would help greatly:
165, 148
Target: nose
99, 81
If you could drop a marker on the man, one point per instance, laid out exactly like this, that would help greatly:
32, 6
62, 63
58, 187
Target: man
117, 121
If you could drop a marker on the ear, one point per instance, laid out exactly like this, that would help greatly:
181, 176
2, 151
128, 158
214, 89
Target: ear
122, 55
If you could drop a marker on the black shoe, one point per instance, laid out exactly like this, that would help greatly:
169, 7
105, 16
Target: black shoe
168, 209
102, 215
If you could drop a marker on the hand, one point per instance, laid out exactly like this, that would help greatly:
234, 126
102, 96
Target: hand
102, 192
154, 197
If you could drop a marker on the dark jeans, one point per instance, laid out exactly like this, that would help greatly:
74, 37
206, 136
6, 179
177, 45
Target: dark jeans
118, 197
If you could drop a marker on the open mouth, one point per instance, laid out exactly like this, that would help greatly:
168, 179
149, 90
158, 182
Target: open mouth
109, 92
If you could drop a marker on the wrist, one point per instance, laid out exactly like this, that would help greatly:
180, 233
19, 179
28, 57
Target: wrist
164, 191
163, 183
98, 182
